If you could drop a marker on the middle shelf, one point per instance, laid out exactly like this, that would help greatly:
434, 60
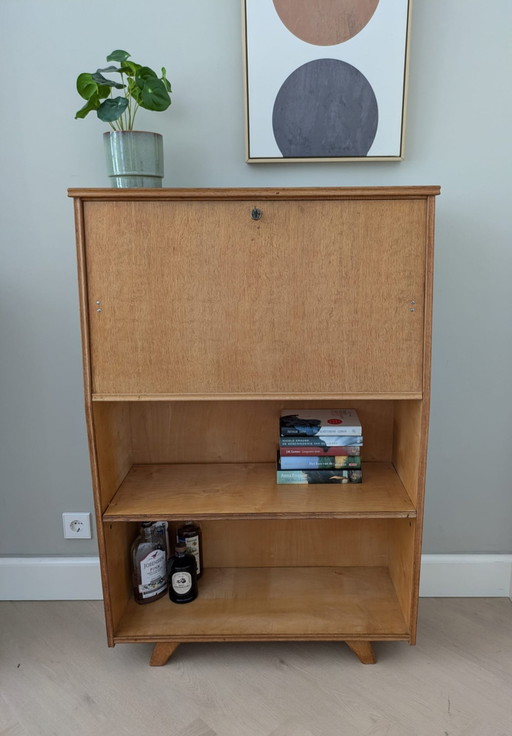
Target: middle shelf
249, 491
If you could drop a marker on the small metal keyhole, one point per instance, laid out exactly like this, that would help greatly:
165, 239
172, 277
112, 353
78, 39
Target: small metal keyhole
256, 214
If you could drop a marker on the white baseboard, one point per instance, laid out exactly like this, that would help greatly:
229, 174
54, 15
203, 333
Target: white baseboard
466, 576
78, 578
50, 579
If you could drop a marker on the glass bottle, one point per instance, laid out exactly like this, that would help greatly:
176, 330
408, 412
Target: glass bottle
161, 531
182, 576
190, 533
149, 564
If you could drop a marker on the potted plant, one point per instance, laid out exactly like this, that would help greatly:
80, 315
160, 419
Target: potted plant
134, 157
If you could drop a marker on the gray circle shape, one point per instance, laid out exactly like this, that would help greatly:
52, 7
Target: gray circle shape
325, 109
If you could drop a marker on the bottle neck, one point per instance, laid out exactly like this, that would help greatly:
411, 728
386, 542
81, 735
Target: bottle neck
146, 532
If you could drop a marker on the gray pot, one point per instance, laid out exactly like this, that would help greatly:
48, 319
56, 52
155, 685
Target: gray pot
135, 158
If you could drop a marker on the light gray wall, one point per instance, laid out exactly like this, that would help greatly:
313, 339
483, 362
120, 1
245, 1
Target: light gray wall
458, 135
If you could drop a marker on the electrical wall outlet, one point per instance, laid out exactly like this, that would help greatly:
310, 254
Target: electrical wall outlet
77, 526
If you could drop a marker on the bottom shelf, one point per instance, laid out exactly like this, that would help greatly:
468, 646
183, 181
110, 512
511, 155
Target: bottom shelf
274, 604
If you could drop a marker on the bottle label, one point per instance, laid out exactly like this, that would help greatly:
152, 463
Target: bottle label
193, 549
152, 573
181, 582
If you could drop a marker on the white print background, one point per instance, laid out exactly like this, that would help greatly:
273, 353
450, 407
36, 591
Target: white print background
273, 53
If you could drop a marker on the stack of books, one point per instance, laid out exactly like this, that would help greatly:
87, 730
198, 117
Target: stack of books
319, 446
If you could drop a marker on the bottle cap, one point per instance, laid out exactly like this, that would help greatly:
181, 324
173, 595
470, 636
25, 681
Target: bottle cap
181, 547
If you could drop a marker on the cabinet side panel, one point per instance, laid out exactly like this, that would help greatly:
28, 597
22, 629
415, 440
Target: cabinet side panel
112, 433
301, 543
239, 431
97, 467
410, 457
117, 543
422, 471
409, 444
402, 567
111, 460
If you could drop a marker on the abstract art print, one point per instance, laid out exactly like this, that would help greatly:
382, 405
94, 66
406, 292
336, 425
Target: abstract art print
325, 80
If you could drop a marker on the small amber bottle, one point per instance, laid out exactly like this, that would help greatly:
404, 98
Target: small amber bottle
190, 534
182, 576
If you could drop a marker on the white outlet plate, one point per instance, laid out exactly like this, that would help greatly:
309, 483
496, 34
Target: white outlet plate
77, 525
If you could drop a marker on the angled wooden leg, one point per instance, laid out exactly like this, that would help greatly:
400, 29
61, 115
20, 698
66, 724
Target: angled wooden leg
363, 650
161, 652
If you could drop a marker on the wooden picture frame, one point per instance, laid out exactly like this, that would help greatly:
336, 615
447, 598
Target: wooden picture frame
325, 81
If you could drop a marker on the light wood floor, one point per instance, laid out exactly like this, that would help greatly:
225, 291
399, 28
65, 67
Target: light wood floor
57, 677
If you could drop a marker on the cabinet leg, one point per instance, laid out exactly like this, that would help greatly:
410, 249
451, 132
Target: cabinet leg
161, 652
363, 650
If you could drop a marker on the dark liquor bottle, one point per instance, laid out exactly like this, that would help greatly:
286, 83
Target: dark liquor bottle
190, 533
149, 564
182, 576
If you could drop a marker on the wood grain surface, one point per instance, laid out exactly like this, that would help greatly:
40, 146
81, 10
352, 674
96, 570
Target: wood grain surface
249, 490
197, 297
274, 603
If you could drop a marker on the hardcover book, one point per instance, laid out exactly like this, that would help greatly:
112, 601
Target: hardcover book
322, 441
307, 462
324, 422
319, 476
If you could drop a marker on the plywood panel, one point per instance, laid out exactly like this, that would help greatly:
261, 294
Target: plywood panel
238, 431
232, 490
297, 542
116, 558
199, 298
409, 445
112, 448
275, 603
404, 565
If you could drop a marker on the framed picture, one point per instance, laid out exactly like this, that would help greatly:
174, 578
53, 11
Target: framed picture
325, 80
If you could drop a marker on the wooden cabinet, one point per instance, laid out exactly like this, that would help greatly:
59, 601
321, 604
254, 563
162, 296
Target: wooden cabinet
204, 313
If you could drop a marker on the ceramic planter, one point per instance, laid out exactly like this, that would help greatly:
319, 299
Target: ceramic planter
134, 158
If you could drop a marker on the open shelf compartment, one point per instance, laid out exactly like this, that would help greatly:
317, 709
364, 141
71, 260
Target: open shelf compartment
270, 579
267, 547
275, 603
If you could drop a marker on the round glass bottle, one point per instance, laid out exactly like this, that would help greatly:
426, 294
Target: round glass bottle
190, 534
182, 576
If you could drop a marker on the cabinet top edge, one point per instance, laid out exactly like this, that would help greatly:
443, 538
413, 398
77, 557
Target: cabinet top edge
400, 192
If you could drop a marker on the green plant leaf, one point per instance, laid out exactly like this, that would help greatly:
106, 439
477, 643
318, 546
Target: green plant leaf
130, 68
154, 95
140, 83
100, 79
112, 109
118, 55
134, 90
143, 75
103, 91
86, 86
89, 106
165, 80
